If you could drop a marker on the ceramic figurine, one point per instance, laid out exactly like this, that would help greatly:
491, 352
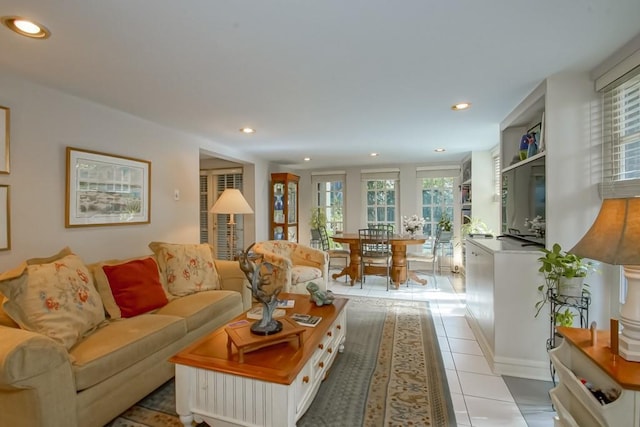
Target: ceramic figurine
320, 297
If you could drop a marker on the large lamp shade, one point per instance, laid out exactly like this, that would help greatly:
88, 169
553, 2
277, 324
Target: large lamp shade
614, 238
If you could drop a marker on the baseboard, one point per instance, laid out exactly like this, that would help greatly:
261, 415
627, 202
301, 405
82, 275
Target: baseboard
530, 369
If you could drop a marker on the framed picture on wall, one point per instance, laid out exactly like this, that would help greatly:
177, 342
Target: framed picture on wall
4, 139
5, 222
105, 189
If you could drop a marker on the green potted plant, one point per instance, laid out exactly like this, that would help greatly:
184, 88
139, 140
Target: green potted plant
564, 274
444, 229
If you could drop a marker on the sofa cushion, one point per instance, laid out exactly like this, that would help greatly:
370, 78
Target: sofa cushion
53, 296
121, 344
302, 273
5, 320
135, 286
188, 268
198, 309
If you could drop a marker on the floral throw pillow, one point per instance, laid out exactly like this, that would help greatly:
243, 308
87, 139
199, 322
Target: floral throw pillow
187, 268
56, 298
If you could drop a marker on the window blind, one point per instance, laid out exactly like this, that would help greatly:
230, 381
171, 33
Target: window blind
497, 184
621, 137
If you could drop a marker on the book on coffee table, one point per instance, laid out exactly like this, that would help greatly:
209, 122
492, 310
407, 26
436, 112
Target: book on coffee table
306, 319
286, 303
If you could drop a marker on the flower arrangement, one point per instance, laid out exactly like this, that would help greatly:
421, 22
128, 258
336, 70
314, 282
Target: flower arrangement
413, 223
536, 225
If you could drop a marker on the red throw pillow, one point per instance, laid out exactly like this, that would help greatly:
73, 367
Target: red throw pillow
136, 286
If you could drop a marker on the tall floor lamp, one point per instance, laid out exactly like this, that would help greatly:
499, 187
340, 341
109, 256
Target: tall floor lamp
231, 202
614, 238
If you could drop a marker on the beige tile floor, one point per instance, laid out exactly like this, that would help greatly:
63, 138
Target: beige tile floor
480, 398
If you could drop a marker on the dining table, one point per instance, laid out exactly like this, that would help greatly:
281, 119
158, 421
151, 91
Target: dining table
399, 271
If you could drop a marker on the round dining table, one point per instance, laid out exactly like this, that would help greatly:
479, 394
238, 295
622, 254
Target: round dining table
399, 270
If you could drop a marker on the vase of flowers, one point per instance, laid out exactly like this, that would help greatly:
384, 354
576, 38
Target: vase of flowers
413, 224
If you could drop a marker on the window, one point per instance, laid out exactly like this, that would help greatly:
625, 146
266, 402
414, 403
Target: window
216, 232
437, 200
497, 183
381, 198
621, 137
329, 197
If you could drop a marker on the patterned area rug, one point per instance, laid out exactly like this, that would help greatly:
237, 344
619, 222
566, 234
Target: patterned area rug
390, 374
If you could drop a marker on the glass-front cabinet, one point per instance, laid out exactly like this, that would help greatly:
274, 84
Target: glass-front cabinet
284, 209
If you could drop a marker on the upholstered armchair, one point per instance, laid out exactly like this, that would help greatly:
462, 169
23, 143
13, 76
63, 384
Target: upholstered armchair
295, 265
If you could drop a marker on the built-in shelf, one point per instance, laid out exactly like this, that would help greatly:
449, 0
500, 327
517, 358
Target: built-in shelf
525, 161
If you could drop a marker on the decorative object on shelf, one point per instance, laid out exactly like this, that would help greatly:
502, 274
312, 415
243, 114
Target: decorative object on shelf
318, 296
558, 267
231, 202
536, 225
4, 139
259, 274
613, 238
413, 224
104, 189
535, 135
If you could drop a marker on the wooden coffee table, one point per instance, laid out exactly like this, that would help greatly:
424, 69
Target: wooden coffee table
272, 386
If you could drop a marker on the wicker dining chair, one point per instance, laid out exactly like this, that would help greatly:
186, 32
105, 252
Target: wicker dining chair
375, 250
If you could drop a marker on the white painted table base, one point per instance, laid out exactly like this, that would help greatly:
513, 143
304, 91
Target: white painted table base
225, 400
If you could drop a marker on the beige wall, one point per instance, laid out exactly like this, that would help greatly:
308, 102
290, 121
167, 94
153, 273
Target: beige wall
44, 122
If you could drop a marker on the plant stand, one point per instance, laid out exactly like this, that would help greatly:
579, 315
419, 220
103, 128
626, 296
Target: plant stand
578, 304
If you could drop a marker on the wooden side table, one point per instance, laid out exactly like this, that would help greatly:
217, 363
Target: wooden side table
246, 341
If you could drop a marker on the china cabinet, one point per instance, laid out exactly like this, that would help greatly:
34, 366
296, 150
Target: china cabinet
284, 206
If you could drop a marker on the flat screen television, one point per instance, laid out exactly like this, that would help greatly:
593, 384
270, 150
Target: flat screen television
524, 198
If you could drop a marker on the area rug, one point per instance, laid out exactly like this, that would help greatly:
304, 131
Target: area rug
390, 374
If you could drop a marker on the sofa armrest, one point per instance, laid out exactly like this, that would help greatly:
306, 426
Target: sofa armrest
305, 255
233, 279
37, 386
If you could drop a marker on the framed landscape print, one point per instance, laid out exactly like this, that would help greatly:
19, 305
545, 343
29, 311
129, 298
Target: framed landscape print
5, 223
104, 189
4, 139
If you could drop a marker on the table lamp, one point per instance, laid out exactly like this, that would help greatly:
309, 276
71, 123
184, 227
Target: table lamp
614, 238
231, 202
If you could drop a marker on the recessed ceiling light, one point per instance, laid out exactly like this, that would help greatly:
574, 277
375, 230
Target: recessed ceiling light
461, 106
247, 130
25, 27
374, 154
307, 159
439, 150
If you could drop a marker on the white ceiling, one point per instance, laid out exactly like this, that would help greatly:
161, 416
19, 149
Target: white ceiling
330, 79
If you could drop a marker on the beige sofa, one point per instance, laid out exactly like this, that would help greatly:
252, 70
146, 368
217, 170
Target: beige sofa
44, 383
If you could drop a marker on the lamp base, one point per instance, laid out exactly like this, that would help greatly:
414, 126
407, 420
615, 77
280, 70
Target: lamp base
630, 316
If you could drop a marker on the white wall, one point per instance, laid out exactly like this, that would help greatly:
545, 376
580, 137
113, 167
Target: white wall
572, 107
45, 121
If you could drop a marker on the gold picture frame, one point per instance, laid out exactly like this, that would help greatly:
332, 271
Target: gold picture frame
5, 133
5, 218
105, 189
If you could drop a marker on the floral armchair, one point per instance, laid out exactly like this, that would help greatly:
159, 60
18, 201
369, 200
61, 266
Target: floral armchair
295, 265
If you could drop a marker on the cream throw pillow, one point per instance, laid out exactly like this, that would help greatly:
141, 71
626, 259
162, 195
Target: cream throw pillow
187, 268
56, 297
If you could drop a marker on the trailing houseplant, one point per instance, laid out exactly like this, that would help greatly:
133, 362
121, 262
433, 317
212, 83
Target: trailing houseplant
558, 267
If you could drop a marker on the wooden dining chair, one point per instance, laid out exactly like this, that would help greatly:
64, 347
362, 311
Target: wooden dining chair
375, 250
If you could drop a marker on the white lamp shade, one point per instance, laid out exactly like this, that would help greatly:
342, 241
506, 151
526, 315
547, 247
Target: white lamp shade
231, 201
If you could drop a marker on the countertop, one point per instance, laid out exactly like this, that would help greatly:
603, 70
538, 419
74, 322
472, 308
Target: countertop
504, 244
